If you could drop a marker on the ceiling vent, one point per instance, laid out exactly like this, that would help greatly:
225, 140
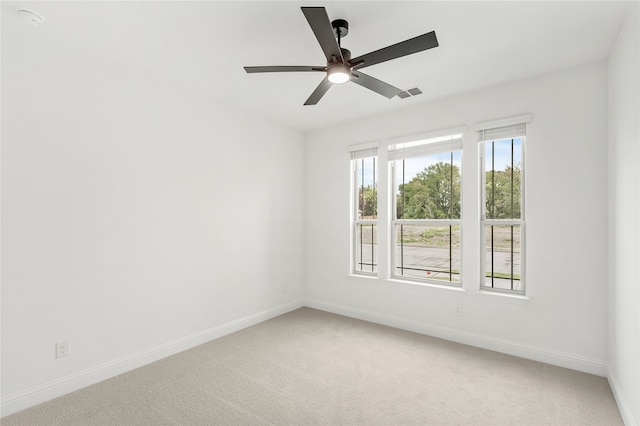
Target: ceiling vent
415, 91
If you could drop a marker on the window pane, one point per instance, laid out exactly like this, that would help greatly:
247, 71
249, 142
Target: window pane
366, 248
428, 187
502, 256
428, 252
503, 165
367, 188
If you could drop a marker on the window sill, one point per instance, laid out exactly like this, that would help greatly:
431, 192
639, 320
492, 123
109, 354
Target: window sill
365, 276
396, 281
517, 299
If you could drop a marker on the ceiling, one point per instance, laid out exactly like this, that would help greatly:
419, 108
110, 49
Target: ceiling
202, 47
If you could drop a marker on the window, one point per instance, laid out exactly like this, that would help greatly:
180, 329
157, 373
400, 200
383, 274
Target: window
426, 222
502, 220
364, 211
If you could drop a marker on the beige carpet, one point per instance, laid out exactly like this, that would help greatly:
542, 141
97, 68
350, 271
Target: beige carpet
314, 368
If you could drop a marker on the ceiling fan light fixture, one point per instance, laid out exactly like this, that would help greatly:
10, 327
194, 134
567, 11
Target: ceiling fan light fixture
339, 73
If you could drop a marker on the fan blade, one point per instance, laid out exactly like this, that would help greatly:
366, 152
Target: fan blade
319, 92
378, 86
284, 69
321, 27
407, 47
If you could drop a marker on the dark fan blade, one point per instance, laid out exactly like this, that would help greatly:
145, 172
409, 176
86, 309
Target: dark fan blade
321, 27
319, 92
283, 69
374, 84
407, 47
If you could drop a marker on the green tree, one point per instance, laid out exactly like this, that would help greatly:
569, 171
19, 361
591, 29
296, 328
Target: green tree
433, 193
502, 189
368, 202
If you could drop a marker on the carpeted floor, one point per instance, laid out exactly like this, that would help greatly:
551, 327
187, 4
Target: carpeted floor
314, 368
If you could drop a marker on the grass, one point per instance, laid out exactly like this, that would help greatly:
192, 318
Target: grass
502, 275
502, 237
438, 236
429, 236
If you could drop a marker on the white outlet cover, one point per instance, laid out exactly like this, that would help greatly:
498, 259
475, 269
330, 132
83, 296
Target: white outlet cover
62, 349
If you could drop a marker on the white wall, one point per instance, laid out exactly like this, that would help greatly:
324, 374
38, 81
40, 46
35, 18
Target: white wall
624, 218
136, 215
133, 215
565, 320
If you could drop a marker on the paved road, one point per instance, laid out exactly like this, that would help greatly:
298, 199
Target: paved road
417, 259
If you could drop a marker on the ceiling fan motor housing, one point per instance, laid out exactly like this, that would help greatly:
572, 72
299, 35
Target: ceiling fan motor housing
346, 54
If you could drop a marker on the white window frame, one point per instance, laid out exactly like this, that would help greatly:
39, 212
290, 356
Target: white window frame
510, 128
359, 152
444, 141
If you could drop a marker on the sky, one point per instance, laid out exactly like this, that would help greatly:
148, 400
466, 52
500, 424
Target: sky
502, 154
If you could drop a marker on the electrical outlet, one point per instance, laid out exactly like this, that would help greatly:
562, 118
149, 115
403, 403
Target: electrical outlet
62, 349
457, 310
285, 288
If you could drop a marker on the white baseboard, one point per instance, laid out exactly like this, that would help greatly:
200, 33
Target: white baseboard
36, 395
548, 356
22, 400
623, 405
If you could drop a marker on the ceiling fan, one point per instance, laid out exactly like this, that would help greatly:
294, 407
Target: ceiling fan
340, 67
